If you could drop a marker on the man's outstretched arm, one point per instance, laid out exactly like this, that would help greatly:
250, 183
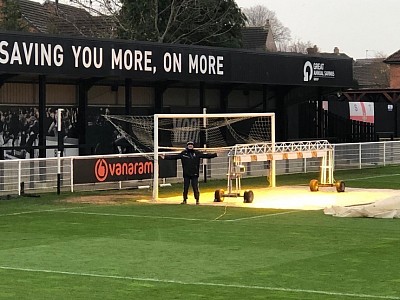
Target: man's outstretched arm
170, 156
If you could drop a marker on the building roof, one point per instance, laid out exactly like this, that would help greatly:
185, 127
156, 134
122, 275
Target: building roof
53, 18
393, 59
371, 73
255, 38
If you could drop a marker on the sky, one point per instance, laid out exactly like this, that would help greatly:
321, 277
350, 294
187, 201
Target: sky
359, 28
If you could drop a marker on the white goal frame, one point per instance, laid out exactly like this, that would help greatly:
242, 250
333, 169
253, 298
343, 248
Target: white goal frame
203, 116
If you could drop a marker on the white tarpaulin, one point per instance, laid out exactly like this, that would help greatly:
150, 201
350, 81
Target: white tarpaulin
386, 209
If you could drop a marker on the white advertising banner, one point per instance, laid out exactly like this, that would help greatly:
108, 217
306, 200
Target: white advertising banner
362, 111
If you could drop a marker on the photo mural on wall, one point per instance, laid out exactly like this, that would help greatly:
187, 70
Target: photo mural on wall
19, 128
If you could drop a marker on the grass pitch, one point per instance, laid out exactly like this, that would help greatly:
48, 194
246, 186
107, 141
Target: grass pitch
51, 249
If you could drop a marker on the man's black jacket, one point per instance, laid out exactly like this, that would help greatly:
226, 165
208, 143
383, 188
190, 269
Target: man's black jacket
191, 161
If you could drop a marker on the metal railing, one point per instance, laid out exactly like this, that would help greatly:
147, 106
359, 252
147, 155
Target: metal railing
39, 175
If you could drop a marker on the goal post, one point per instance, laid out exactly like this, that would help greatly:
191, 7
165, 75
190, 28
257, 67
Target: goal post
260, 129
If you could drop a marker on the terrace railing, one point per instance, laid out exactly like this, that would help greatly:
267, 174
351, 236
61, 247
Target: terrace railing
39, 175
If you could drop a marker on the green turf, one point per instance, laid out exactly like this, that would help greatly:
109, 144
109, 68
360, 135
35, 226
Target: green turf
54, 250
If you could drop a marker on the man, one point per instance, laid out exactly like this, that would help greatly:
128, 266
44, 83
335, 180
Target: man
190, 159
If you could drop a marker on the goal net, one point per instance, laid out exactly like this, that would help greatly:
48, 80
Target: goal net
170, 132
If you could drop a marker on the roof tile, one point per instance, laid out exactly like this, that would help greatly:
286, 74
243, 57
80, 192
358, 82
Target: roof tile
64, 19
393, 59
371, 73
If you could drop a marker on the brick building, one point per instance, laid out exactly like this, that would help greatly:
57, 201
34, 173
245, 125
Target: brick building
394, 65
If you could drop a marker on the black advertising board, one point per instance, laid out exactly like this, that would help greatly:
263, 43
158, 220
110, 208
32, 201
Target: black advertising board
23, 53
103, 169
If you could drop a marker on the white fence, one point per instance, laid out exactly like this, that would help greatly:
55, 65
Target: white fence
40, 175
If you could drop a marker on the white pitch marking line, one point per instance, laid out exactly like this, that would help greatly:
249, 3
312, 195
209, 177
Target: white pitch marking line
254, 287
39, 211
261, 216
372, 177
135, 216
176, 218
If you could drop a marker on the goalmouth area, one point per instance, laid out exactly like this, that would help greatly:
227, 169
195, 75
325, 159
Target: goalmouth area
293, 197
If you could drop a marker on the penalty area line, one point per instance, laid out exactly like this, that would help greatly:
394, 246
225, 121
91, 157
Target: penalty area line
39, 211
134, 216
223, 285
261, 216
372, 177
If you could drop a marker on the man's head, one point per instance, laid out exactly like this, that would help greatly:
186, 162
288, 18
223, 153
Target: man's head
190, 145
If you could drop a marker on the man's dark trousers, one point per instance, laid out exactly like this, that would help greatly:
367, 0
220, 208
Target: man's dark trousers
195, 185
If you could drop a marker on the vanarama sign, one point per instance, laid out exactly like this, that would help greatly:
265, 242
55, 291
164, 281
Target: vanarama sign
118, 169
104, 169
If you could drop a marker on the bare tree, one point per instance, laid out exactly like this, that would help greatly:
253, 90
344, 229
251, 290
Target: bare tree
260, 16
207, 22
297, 46
380, 54
96, 7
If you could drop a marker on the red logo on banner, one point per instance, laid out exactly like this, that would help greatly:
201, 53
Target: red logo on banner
101, 170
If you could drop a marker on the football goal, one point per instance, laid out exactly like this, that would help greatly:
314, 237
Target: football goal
212, 132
